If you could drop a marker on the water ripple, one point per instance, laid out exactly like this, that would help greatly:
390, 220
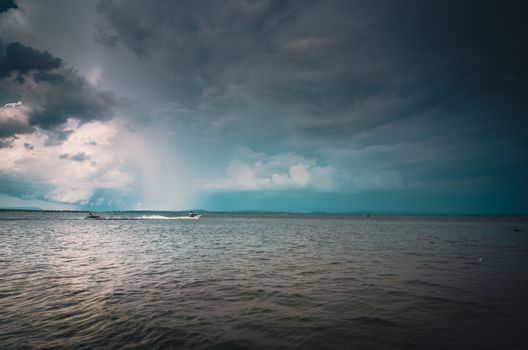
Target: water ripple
261, 282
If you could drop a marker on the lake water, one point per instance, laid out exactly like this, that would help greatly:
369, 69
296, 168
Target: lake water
262, 282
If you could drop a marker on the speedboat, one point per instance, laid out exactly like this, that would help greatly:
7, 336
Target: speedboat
194, 216
93, 217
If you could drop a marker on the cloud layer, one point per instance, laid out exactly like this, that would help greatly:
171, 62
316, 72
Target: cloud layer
327, 98
327, 69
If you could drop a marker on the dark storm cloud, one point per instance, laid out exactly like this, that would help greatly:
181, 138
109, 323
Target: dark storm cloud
6, 5
331, 69
51, 93
421, 89
204, 47
22, 59
65, 94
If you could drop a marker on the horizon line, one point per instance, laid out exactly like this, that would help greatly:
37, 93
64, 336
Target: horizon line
253, 211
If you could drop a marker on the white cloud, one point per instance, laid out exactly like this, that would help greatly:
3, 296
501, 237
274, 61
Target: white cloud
279, 172
92, 157
347, 169
14, 104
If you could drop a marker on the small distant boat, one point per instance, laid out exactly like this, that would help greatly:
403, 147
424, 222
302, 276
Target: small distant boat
93, 217
194, 215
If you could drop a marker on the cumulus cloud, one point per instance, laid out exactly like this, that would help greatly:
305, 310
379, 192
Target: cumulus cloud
278, 172
63, 168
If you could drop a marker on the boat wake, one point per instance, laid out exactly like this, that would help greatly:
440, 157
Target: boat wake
161, 217
153, 217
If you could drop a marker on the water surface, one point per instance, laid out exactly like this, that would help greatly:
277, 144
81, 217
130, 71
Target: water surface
262, 281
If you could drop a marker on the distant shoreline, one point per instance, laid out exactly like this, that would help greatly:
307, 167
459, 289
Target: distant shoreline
266, 212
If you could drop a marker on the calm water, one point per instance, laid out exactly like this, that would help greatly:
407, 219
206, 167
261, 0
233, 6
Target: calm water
282, 282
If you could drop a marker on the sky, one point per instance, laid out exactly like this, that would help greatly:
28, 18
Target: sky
341, 106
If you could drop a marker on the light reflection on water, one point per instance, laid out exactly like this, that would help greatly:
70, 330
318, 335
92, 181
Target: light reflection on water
262, 282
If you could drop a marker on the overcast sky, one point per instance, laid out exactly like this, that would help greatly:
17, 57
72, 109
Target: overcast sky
388, 106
